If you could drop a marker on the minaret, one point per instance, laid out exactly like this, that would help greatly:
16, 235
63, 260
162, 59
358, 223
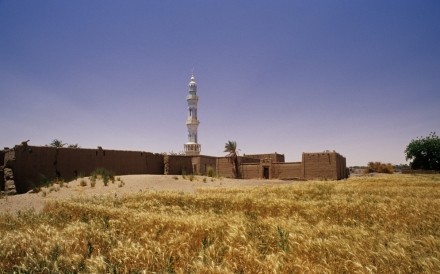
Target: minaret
192, 147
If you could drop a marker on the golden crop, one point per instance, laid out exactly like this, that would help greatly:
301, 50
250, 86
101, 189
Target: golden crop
382, 224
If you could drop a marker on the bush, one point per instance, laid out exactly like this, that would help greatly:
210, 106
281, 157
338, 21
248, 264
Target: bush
210, 172
379, 168
84, 183
104, 174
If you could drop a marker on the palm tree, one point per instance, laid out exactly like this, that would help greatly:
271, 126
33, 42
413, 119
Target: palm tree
57, 143
231, 148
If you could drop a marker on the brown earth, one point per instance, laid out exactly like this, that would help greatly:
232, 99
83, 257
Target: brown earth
122, 185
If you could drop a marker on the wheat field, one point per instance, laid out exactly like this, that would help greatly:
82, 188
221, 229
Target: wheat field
378, 224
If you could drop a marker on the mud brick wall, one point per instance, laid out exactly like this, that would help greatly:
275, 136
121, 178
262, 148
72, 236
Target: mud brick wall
275, 157
319, 166
2, 162
155, 164
250, 171
73, 162
341, 165
179, 164
202, 163
32, 165
131, 162
225, 165
325, 165
291, 170
2, 157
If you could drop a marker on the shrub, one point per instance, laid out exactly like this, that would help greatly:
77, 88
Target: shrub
104, 174
210, 172
379, 168
59, 181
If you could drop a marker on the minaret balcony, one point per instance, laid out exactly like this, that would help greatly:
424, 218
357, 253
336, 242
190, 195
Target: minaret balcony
192, 97
192, 149
192, 122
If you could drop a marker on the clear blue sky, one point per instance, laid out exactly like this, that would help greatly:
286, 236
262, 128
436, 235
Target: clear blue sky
358, 77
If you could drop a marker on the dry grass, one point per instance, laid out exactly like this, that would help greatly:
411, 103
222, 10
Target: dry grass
383, 224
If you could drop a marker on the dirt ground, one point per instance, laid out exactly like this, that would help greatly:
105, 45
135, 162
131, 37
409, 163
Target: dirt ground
123, 185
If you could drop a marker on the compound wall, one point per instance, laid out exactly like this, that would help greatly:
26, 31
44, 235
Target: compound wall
33, 165
251, 171
2, 162
287, 170
201, 164
179, 164
225, 166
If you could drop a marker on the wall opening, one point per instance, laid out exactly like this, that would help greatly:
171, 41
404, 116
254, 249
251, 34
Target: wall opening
266, 172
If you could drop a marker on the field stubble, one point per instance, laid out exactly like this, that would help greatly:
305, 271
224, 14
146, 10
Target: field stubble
377, 224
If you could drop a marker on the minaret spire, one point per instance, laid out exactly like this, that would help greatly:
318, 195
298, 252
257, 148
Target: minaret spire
192, 147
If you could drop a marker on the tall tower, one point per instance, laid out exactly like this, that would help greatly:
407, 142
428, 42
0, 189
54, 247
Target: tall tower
192, 147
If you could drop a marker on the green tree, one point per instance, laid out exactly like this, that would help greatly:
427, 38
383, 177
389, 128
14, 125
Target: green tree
231, 148
73, 146
424, 152
57, 143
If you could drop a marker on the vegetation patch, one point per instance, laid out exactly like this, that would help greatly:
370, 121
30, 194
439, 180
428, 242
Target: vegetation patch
379, 168
379, 224
102, 174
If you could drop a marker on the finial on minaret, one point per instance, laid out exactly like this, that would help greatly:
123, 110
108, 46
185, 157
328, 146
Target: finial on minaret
192, 147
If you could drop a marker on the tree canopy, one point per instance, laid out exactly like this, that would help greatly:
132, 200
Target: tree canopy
57, 143
424, 152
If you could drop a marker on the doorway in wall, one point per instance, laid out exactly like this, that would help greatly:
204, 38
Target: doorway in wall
266, 172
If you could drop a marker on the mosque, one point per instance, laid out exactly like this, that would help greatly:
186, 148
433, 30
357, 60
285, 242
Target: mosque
24, 167
324, 165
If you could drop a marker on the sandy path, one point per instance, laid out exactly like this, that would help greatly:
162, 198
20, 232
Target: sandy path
132, 184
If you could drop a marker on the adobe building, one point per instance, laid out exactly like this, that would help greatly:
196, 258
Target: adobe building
24, 167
